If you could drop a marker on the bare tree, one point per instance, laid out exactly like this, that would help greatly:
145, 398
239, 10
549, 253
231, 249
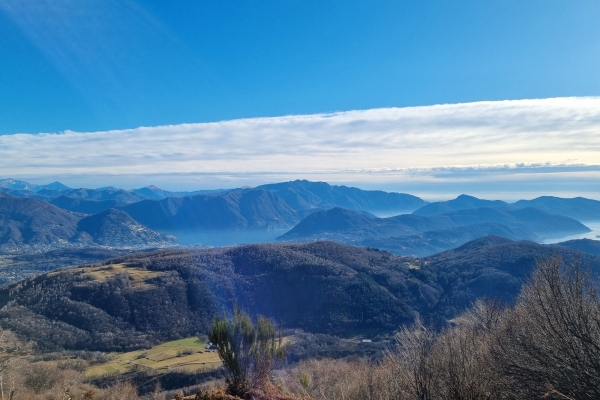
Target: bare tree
464, 366
413, 361
10, 349
550, 342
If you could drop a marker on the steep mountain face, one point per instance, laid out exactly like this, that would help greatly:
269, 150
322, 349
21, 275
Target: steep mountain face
83, 206
30, 224
116, 228
579, 208
348, 226
462, 202
435, 241
233, 210
303, 194
138, 300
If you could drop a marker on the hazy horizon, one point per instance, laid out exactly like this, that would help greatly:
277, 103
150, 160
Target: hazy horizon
494, 100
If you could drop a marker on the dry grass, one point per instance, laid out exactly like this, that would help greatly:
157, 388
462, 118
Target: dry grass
185, 355
137, 276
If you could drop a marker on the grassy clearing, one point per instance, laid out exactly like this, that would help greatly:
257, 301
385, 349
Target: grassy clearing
186, 354
137, 276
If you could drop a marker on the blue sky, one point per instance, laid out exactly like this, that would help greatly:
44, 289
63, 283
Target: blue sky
131, 93
89, 65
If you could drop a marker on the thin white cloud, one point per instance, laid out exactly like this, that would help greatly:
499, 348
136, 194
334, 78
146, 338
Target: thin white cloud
440, 142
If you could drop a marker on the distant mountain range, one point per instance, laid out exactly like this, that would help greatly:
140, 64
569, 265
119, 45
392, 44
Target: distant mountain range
265, 208
309, 210
435, 241
14, 184
304, 195
423, 235
27, 223
578, 208
55, 190
268, 207
462, 202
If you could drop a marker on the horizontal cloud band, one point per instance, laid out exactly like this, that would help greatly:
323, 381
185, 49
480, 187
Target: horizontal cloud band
433, 140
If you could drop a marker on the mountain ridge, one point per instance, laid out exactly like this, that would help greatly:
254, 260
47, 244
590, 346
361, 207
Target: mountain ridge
136, 300
30, 224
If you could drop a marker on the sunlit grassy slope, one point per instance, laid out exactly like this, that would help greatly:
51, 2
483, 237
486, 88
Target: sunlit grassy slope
183, 355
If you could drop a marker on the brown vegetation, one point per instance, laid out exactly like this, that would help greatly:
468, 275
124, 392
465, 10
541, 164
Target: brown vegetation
546, 345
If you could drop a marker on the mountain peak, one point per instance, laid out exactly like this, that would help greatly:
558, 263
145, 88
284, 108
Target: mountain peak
466, 197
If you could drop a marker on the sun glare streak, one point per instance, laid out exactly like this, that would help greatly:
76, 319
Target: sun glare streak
89, 41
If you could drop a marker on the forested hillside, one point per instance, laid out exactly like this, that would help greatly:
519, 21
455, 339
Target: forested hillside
31, 225
139, 300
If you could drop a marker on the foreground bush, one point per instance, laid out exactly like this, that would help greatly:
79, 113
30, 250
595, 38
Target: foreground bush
249, 351
550, 341
546, 346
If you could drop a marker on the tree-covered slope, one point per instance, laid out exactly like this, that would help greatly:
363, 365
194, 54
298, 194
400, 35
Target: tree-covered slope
303, 194
322, 287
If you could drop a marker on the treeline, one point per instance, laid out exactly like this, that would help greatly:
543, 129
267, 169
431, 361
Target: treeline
547, 345
321, 288
544, 345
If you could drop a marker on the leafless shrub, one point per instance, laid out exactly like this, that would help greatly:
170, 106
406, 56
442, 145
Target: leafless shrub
326, 379
413, 362
157, 394
40, 377
464, 368
119, 391
550, 341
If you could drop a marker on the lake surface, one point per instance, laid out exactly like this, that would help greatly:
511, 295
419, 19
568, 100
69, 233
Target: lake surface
225, 238
593, 225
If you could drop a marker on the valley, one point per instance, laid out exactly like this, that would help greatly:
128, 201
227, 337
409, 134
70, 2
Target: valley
130, 280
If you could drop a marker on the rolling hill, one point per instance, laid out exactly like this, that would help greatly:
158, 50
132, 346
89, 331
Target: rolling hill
139, 300
462, 202
435, 241
348, 226
29, 224
117, 229
25, 221
580, 208
584, 245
